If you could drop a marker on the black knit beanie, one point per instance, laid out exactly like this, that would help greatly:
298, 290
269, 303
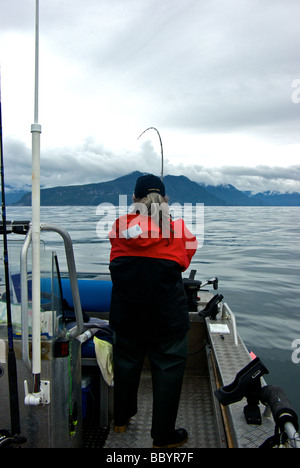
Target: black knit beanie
147, 184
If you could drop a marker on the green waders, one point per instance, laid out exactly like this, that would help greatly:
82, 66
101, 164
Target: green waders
167, 359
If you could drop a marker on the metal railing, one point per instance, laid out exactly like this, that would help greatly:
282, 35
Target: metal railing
79, 328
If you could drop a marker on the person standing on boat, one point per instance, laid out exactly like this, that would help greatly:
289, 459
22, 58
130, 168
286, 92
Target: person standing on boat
149, 313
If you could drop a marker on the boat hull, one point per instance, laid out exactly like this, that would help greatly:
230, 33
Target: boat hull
47, 426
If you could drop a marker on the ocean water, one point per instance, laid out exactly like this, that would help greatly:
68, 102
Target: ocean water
254, 251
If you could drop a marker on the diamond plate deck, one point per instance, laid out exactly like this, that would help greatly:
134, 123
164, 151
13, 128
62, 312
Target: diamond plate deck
195, 414
199, 412
231, 359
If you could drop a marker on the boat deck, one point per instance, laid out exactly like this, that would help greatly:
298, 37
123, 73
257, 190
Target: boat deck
213, 360
229, 359
196, 415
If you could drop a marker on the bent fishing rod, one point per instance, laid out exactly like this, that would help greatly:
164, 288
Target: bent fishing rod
161, 149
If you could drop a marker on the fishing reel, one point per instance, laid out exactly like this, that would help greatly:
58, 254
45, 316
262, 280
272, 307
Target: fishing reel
9, 441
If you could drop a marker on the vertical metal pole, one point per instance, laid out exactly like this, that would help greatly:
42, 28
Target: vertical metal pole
36, 294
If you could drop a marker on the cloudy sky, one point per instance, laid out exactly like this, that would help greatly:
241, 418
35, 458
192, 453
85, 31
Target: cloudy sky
220, 80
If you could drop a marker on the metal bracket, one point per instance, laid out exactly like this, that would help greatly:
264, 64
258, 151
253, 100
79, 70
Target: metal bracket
40, 398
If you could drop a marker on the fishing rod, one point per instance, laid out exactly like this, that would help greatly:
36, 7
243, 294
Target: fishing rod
161, 148
11, 358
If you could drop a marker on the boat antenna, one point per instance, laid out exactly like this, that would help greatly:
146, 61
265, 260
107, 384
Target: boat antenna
35, 202
11, 358
161, 148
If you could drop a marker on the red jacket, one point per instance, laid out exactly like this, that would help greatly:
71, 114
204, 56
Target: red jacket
136, 235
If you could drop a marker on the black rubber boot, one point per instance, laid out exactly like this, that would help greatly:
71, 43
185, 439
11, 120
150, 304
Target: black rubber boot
178, 438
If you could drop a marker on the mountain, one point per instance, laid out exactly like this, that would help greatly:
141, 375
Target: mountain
180, 189
86, 195
12, 195
278, 199
232, 196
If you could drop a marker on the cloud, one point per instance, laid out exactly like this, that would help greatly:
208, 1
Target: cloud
92, 162
17, 164
255, 179
214, 77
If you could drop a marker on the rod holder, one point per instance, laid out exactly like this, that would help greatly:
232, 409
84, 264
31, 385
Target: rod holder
40, 398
